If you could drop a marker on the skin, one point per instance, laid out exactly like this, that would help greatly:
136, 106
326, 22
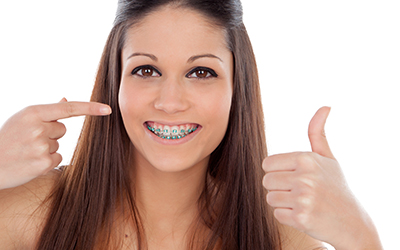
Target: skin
168, 186
309, 193
29, 139
28, 153
302, 186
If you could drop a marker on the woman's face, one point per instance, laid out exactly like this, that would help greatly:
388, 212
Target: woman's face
177, 75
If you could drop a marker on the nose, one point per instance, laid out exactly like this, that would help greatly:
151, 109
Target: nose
172, 98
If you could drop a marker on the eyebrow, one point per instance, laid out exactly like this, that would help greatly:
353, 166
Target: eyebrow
152, 57
190, 60
193, 58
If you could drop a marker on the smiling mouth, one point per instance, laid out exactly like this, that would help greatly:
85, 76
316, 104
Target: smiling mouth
171, 132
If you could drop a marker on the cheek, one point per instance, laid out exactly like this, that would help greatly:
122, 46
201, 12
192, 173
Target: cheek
218, 105
223, 100
219, 109
124, 100
130, 102
216, 123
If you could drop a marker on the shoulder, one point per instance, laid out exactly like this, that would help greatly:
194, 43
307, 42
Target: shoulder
21, 213
293, 239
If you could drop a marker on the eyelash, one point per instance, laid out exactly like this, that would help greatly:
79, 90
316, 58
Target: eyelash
210, 73
137, 69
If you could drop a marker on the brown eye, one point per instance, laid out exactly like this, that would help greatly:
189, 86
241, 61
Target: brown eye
202, 73
146, 71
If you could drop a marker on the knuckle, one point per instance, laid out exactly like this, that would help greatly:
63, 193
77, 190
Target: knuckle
42, 148
47, 162
302, 221
282, 217
41, 165
92, 108
307, 184
38, 132
31, 111
306, 162
70, 109
28, 114
304, 159
306, 202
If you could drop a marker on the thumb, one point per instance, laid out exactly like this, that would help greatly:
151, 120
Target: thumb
316, 133
63, 100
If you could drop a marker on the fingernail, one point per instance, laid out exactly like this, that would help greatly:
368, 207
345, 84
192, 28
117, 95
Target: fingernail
63, 100
106, 110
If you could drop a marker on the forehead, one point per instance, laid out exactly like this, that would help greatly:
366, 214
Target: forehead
172, 30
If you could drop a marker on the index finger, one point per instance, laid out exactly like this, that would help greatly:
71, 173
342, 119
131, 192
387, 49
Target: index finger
53, 112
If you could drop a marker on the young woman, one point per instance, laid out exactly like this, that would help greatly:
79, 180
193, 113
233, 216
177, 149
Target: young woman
172, 154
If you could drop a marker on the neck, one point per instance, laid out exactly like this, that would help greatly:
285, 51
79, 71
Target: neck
167, 201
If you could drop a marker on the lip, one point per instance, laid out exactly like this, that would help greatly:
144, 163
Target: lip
177, 123
171, 142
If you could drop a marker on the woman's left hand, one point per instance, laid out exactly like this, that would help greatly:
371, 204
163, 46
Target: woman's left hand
309, 192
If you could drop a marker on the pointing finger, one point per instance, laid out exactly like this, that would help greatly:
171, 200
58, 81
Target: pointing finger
316, 133
53, 112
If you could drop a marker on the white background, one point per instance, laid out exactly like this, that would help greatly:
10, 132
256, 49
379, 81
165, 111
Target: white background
343, 54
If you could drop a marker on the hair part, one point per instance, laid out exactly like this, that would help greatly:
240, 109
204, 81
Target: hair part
96, 186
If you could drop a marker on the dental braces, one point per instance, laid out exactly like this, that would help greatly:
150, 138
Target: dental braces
170, 136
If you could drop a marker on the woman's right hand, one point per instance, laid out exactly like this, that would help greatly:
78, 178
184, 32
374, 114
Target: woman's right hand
28, 140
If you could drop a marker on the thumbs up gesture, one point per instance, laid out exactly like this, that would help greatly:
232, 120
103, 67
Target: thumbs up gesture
309, 193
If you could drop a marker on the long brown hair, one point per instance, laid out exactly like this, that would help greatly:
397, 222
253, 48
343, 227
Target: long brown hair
96, 185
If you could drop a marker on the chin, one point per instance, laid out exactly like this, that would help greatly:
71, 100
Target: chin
172, 164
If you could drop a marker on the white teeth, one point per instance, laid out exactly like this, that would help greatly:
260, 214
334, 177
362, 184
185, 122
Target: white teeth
188, 127
159, 129
166, 130
182, 129
175, 132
